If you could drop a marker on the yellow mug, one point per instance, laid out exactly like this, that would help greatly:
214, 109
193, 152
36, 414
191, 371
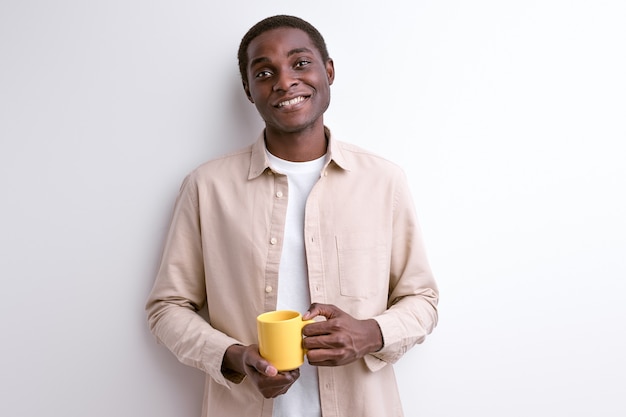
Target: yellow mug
280, 338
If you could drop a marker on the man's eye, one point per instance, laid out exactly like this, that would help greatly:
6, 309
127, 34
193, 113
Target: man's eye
263, 74
302, 63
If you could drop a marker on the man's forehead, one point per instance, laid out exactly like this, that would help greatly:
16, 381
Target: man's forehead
284, 40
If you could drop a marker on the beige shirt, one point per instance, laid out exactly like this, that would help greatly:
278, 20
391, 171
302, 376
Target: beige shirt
365, 255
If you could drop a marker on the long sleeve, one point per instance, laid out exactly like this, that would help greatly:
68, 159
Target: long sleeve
364, 254
179, 293
413, 297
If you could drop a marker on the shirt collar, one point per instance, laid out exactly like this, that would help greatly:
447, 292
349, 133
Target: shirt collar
259, 162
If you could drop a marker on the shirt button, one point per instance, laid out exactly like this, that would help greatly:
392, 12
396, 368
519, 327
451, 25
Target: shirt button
279, 194
269, 172
268, 289
273, 241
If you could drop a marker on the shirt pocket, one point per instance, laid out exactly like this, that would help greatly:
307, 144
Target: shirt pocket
363, 270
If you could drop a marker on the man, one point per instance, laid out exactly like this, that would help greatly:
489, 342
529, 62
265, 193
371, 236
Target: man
296, 220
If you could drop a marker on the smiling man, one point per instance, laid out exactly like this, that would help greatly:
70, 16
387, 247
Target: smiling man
289, 81
298, 220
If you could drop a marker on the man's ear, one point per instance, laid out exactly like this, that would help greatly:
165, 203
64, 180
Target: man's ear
247, 90
330, 70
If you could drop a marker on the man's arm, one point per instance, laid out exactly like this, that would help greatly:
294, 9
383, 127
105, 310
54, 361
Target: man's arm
411, 312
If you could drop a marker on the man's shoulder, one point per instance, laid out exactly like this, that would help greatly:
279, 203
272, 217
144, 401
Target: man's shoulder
229, 162
358, 156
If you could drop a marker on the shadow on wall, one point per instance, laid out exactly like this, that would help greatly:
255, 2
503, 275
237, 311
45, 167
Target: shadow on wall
167, 377
229, 127
235, 124
173, 379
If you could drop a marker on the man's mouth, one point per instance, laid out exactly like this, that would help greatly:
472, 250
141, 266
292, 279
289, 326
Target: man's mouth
291, 102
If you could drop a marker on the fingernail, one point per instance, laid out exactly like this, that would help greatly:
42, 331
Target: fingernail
270, 371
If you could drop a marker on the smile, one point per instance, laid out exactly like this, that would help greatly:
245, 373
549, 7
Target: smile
291, 102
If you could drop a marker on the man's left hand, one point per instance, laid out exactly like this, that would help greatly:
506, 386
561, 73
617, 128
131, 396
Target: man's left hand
339, 340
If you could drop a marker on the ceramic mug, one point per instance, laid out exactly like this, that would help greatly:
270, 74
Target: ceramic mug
280, 338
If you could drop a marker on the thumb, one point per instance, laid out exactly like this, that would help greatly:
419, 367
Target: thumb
266, 368
270, 371
259, 363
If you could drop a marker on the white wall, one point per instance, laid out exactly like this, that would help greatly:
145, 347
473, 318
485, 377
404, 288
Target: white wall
508, 116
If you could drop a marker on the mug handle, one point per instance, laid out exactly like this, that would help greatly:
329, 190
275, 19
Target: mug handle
304, 323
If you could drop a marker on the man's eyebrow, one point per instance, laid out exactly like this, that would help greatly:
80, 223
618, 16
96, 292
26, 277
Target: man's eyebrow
290, 53
298, 51
258, 60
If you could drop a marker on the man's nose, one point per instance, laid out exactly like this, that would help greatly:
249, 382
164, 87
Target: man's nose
285, 80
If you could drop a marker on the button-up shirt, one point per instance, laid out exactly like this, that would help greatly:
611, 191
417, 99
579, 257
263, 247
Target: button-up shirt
364, 254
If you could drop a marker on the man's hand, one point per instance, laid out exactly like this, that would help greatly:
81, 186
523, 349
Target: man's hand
247, 360
339, 340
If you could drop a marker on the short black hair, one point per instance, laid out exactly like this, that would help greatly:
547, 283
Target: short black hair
276, 22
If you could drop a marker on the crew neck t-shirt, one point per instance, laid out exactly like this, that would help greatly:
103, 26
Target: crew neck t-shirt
302, 399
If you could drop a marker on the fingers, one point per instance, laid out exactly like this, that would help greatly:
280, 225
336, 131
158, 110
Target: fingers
317, 309
329, 357
335, 318
265, 376
271, 387
341, 339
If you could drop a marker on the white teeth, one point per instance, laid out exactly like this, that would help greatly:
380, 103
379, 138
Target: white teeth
291, 102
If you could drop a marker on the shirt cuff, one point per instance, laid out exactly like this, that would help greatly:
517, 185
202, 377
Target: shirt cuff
393, 346
214, 356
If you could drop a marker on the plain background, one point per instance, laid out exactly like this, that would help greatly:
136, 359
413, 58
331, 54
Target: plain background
508, 117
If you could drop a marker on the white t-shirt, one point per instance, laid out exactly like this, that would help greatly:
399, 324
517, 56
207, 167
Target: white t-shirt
302, 399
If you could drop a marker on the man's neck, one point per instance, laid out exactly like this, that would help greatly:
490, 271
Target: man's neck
301, 146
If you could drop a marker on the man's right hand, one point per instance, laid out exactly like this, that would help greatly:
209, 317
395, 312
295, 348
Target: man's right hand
247, 360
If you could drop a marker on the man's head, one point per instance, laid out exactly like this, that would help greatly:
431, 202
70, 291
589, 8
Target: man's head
275, 22
287, 74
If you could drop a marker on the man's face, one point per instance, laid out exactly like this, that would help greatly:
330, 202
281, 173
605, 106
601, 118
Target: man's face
288, 81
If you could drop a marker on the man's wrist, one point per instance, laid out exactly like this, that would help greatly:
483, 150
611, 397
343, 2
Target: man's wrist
232, 362
378, 340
